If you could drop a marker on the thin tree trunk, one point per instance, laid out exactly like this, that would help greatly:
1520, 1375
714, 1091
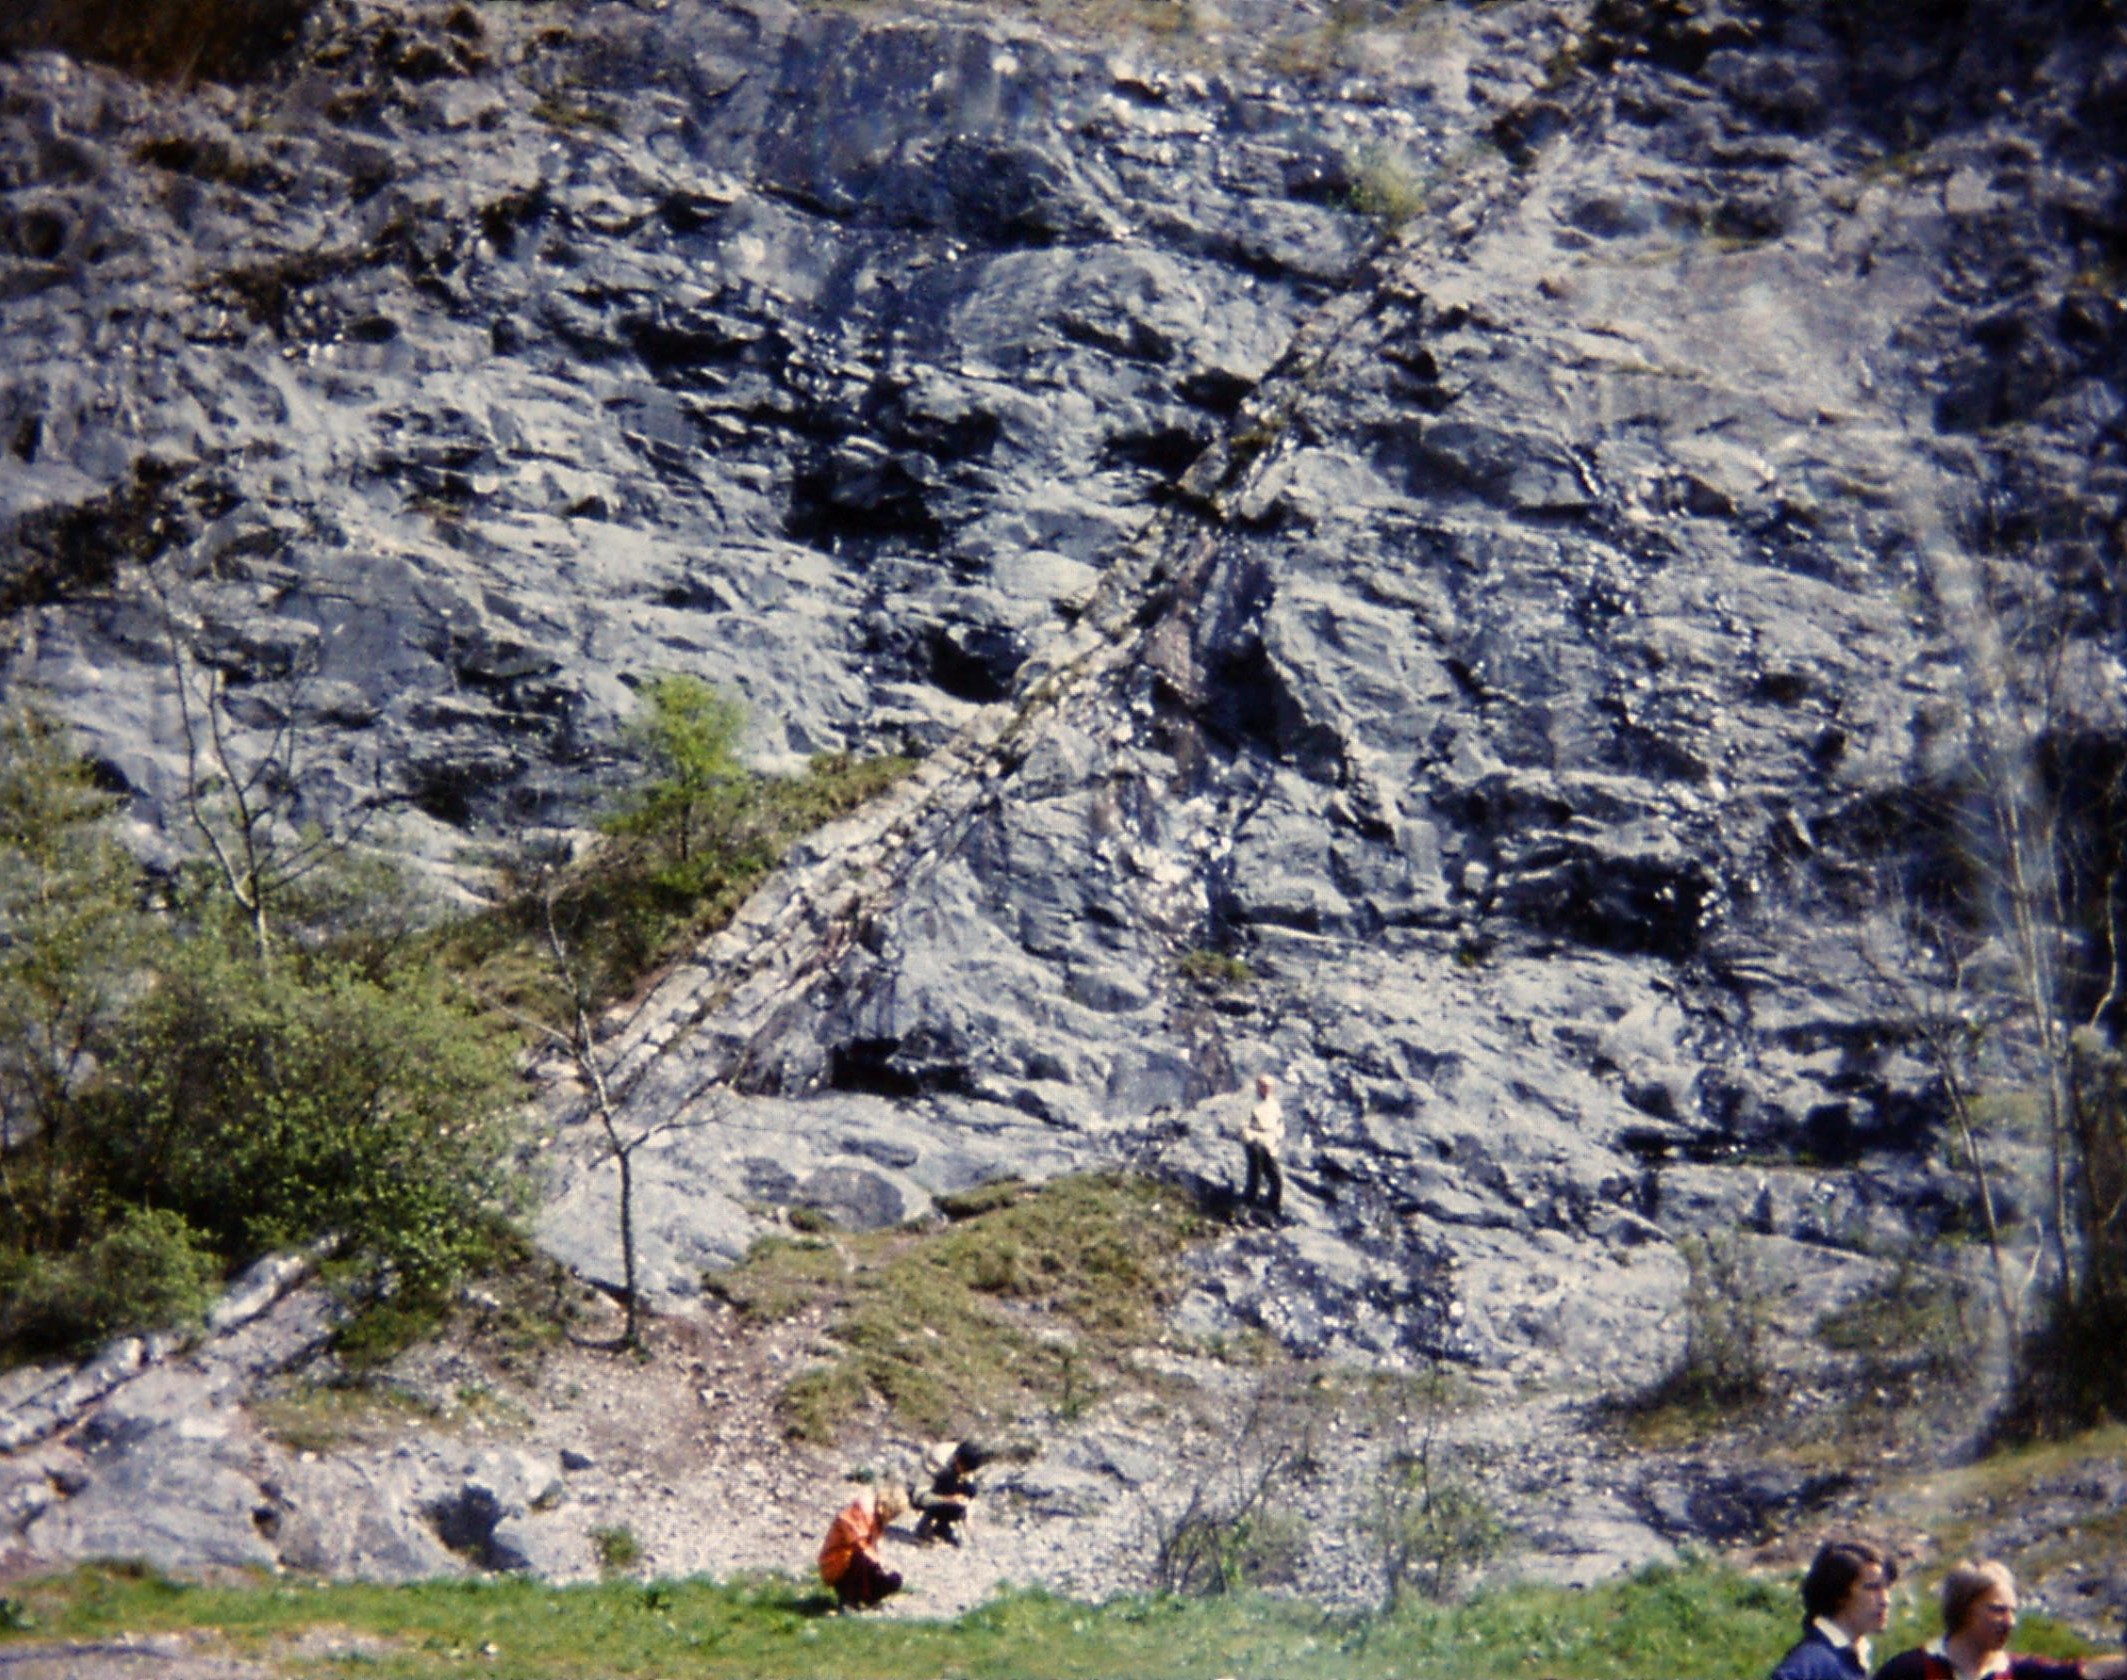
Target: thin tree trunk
631, 1331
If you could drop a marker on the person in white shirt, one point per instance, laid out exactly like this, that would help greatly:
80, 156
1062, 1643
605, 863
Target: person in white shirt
1262, 1137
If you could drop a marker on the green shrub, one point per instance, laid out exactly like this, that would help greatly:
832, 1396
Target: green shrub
72, 940
1386, 191
683, 848
616, 1547
1233, 1527
148, 1271
1210, 1552
1215, 970
1723, 1370
312, 1101
1429, 1525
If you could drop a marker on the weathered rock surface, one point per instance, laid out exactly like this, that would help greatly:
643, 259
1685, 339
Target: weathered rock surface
1509, 639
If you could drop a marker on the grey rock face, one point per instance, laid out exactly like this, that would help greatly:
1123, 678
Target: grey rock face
340, 1517
1506, 627
489, 1516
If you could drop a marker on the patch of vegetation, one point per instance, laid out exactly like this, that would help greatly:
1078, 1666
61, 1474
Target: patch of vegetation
1917, 1329
1043, 1293
524, 1309
1697, 1619
1231, 1530
381, 1327
196, 1072
782, 1276
273, 1106
984, 1198
1386, 190
1215, 970
616, 1547
261, 1054
322, 1417
1723, 1375
1430, 1524
695, 833
148, 1267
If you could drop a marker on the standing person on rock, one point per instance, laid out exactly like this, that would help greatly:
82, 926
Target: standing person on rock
849, 1557
1978, 1615
1262, 1138
1846, 1596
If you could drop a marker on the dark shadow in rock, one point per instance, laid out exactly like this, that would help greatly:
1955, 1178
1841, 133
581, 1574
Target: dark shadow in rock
837, 500
975, 661
180, 40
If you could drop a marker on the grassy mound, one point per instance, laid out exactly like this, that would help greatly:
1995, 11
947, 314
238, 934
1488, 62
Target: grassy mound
1031, 1295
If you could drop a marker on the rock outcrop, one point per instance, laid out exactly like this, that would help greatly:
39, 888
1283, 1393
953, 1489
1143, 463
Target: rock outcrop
1481, 522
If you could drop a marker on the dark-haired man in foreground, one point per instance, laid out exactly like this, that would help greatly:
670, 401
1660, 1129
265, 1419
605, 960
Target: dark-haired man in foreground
1846, 1596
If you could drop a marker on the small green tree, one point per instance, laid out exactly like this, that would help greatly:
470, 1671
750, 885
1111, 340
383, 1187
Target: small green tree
244, 773
1425, 1518
688, 737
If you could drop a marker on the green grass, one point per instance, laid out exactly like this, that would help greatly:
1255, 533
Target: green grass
1699, 1620
1033, 1295
320, 1417
1386, 190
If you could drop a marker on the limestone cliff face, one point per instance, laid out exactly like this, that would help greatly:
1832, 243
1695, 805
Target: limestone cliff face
1484, 516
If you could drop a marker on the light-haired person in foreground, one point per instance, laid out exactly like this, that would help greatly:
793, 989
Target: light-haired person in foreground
1978, 1615
849, 1557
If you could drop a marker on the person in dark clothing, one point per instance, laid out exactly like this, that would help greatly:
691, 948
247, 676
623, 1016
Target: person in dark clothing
1846, 1596
942, 1509
1978, 1615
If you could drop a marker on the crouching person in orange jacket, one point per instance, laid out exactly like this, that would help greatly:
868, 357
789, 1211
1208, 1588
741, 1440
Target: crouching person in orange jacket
849, 1557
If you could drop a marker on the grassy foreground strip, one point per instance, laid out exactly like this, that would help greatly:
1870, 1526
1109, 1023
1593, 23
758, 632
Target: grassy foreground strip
1701, 1620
